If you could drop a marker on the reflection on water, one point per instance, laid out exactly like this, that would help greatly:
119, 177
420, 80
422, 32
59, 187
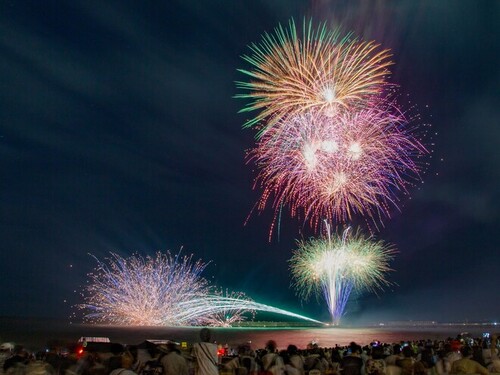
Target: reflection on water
35, 333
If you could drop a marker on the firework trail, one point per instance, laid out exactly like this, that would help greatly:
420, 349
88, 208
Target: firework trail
318, 69
164, 290
212, 304
228, 308
337, 265
335, 168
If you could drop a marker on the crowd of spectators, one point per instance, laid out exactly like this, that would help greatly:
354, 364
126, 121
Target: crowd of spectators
424, 357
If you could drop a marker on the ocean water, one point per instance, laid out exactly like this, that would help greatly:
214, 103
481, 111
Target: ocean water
34, 334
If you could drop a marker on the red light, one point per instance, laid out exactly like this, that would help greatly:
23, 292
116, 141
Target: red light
80, 351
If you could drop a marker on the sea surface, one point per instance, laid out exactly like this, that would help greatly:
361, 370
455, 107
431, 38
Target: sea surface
34, 334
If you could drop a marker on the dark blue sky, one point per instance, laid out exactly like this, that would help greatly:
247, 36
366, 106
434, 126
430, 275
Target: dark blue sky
118, 132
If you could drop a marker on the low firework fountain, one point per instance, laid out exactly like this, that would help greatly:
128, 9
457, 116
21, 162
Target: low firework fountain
337, 265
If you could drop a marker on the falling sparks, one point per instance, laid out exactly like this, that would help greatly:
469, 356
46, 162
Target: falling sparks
323, 168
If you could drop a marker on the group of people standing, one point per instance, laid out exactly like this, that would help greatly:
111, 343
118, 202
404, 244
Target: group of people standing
452, 356
204, 358
445, 357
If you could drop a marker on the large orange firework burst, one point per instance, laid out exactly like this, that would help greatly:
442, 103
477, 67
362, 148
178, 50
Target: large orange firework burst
318, 69
335, 168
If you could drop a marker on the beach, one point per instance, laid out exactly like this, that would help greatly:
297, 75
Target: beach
35, 333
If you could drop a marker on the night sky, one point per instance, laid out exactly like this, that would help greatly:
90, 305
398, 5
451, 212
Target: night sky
119, 132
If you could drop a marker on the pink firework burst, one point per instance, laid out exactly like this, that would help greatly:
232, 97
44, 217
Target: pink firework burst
334, 168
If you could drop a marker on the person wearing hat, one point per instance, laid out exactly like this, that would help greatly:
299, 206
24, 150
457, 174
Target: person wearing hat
173, 362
